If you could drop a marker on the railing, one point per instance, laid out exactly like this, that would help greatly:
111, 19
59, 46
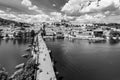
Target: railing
35, 53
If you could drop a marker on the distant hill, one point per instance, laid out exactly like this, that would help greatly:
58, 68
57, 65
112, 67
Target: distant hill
6, 22
108, 24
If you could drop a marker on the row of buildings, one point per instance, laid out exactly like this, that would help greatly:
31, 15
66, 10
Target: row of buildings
16, 32
83, 31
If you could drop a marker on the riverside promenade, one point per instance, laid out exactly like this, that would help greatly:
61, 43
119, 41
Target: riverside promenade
46, 71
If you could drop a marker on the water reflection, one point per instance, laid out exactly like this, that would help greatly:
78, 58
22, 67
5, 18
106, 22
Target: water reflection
0, 41
79, 60
14, 41
114, 42
10, 53
22, 41
6, 40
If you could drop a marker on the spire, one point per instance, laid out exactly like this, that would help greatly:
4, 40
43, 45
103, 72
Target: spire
98, 2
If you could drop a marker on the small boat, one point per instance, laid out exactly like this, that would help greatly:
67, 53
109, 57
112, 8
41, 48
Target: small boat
20, 66
30, 45
15, 73
96, 40
28, 49
25, 55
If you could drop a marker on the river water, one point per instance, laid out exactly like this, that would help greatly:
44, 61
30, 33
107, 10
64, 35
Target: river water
10, 53
80, 60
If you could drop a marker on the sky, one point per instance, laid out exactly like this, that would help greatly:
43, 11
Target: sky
82, 11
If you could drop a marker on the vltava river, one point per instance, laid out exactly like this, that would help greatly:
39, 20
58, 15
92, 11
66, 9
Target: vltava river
10, 53
80, 60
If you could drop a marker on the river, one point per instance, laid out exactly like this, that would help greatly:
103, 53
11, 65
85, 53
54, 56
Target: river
10, 53
80, 60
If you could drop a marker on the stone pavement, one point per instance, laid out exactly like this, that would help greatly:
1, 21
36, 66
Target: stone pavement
46, 71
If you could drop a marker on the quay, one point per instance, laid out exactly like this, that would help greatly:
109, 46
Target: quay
45, 71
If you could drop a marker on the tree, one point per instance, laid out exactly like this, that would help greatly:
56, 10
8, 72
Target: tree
32, 33
20, 34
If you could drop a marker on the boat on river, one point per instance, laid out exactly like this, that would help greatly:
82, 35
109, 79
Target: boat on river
96, 39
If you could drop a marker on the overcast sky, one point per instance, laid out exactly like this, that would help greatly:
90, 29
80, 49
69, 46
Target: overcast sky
77, 10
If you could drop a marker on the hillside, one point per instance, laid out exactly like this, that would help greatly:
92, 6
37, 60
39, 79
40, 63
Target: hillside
5, 22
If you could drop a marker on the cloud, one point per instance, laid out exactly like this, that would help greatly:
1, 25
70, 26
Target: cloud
93, 10
40, 18
55, 14
34, 18
107, 12
26, 3
30, 6
90, 18
2, 12
90, 6
8, 9
111, 19
24, 17
54, 5
9, 16
33, 8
